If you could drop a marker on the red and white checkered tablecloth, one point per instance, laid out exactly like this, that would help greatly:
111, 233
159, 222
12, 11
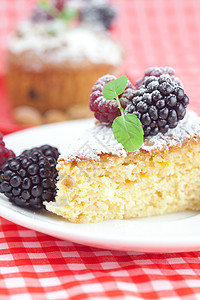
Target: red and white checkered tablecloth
37, 266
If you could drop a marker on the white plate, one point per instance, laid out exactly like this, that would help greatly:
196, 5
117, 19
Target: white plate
169, 233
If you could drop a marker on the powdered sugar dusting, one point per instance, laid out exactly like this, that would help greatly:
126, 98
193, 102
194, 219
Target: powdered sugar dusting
95, 141
55, 42
100, 140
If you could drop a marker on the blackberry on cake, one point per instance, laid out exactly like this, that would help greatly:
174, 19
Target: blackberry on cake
159, 104
157, 72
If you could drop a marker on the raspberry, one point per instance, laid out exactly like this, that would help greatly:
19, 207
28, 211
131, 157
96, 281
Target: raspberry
107, 110
59, 4
4, 152
98, 13
159, 104
158, 71
27, 180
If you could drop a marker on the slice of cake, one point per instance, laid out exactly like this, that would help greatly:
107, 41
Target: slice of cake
100, 180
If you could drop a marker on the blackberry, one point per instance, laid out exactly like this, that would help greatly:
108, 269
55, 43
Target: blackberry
46, 150
107, 110
157, 72
50, 152
40, 15
27, 180
98, 13
159, 104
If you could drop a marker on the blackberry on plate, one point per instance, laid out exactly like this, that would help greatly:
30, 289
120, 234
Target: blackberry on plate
159, 104
4, 152
47, 150
50, 152
27, 180
158, 71
107, 110
98, 13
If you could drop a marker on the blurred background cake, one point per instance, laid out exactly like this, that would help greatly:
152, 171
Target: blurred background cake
55, 57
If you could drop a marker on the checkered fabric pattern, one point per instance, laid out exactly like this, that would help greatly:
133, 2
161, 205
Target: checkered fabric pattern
37, 266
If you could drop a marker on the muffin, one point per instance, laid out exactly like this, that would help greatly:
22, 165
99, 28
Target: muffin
53, 61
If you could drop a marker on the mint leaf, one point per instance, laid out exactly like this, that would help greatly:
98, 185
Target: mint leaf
109, 90
115, 88
68, 14
128, 131
120, 84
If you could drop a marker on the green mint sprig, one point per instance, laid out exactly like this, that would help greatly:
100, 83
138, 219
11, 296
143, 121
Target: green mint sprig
127, 129
69, 14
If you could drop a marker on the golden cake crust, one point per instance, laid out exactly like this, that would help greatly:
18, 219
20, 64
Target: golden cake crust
62, 162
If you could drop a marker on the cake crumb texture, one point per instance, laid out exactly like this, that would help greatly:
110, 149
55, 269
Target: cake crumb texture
140, 185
